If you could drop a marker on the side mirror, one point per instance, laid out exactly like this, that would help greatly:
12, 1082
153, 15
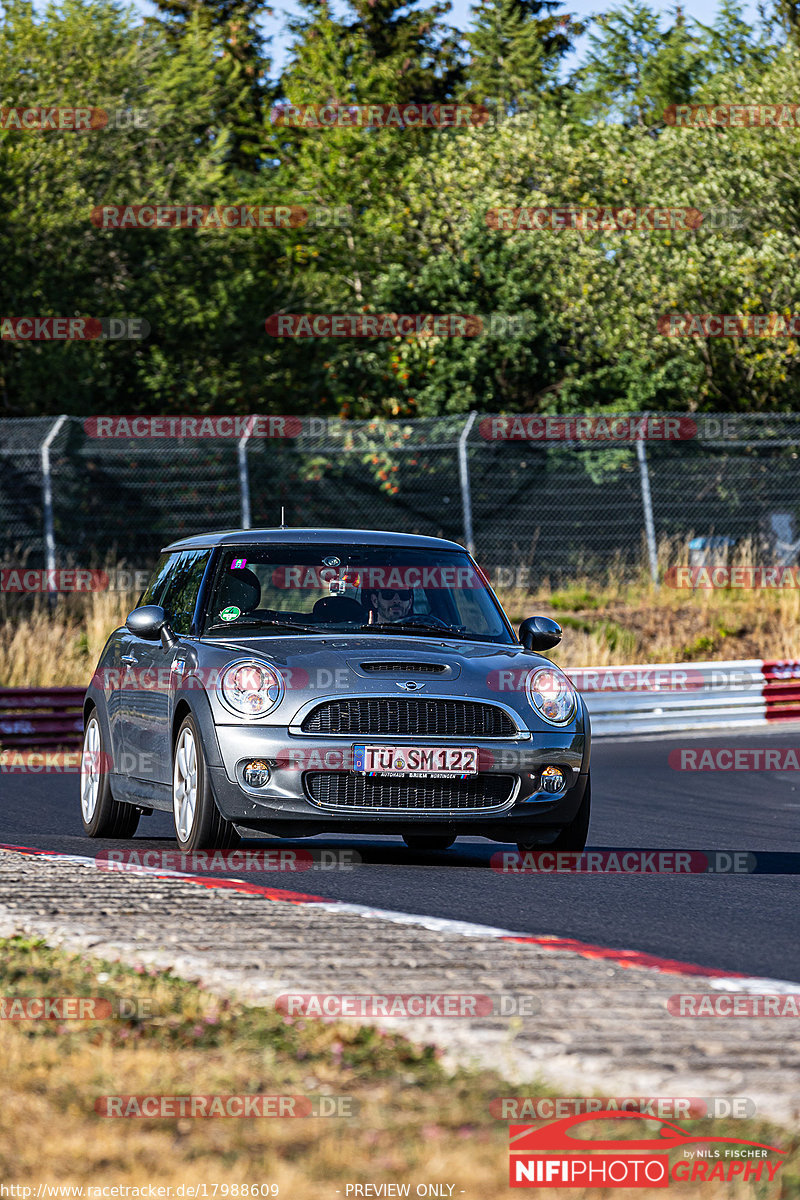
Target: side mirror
539, 633
147, 622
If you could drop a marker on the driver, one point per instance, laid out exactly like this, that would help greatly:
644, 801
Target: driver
390, 604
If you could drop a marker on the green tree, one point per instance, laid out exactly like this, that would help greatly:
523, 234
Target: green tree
733, 45
392, 52
350, 61
634, 69
515, 47
242, 86
201, 292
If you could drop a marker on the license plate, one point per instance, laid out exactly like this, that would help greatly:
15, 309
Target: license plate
425, 762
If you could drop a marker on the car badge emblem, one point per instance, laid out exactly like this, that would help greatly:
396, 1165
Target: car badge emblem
410, 685
332, 561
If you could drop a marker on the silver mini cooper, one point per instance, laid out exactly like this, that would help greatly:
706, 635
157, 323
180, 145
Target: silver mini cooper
305, 681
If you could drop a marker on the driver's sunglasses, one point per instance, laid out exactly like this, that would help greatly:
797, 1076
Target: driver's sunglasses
390, 593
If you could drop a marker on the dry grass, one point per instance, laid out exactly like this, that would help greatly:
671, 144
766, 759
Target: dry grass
609, 621
40, 648
616, 620
415, 1125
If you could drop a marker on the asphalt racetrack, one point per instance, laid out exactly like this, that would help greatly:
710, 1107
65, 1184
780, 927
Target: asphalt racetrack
737, 922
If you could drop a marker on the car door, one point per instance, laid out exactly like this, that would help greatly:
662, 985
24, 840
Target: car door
150, 707
113, 677
128, 700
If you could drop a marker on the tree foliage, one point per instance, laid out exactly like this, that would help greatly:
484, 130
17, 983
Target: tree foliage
399, 219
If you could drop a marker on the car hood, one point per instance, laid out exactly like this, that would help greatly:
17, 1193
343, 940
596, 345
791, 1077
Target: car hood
316, 668
308, 650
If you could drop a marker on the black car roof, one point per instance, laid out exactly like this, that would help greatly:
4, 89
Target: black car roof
358, 537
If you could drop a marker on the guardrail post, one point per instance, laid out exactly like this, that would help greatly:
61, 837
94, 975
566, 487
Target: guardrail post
244, 476
47, 504
647, 504
463, 474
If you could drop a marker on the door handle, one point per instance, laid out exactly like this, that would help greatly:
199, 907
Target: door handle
130, 659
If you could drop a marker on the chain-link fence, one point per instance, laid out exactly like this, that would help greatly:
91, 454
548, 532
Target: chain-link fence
551, 495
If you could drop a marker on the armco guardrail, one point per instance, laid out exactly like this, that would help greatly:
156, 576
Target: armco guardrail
664, 697
41, 717
646, 698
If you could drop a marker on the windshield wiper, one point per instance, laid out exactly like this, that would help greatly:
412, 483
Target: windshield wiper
414, 627
264, 621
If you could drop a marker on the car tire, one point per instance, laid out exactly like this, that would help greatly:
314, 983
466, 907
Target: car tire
573, 836
101, 815
199, 825
422, 842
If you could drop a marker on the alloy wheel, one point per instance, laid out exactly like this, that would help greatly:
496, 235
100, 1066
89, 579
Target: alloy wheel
184, 785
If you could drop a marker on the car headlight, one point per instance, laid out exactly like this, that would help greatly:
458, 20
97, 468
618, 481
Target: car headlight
552, 695
251, 689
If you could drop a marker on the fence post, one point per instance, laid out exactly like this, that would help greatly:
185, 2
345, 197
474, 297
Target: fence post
244, 476
647, 504
463, 474
47, 503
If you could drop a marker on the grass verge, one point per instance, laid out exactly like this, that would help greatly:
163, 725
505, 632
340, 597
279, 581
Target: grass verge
416, 1124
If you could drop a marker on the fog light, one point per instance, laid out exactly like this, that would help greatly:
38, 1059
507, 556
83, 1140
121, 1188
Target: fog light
553, 779
256, 774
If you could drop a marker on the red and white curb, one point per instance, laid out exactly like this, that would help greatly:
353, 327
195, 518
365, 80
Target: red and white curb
729, 981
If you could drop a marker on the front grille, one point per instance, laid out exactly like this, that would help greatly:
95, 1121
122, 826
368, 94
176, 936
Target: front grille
340, 789
406, 668
407, 717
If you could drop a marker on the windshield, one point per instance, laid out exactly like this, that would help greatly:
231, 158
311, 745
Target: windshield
323, 587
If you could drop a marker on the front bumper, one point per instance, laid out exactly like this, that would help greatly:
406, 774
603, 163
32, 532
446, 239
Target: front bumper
285, 806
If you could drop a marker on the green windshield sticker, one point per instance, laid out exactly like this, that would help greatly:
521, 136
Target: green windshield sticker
230, 613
